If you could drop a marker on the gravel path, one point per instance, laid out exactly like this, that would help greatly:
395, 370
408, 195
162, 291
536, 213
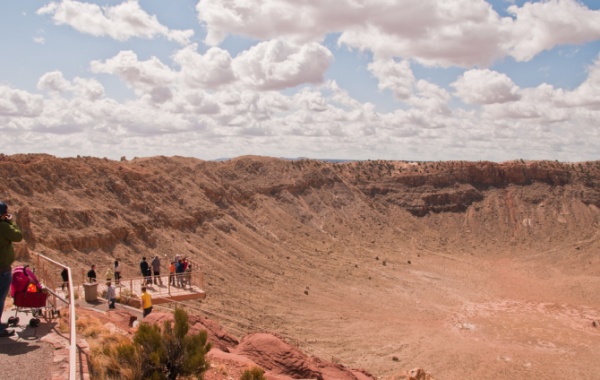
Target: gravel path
24, 355
20, 359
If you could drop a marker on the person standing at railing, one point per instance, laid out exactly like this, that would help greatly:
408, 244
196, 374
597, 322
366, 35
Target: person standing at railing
9, 233
145, 269
156, 269
179, 271
117, 269
188, 275
172, 273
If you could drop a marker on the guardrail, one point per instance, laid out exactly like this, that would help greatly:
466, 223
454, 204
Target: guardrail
129, 272
48, 271
44, 274
128, 290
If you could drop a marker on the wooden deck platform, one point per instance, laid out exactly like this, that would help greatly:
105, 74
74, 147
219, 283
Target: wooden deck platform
161, 293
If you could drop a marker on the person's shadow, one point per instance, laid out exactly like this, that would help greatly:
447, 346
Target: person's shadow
17, 348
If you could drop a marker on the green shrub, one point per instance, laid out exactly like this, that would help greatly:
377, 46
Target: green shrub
255, 373
165, 353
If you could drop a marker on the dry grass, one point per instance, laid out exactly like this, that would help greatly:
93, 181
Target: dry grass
104, 343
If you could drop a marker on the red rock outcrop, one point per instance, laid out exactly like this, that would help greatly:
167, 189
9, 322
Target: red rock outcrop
279, 359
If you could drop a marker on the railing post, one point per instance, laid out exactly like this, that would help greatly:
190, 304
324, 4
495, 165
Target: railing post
71, 302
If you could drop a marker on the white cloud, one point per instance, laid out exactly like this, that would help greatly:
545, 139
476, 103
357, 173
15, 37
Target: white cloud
452, 32
588, 93
88, 88
277, 64
19, 103
431, 98
543, 25
213, 69
216, 104
485, 87
463, 33
546, 105
395, 76
143, 76
272, 65
300, 22
433, 33
121, 22
53, 81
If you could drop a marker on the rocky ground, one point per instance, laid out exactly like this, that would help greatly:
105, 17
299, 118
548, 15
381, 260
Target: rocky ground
468, 270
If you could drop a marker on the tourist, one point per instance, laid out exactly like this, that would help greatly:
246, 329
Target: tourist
146, 302
188, 275
110, 295
172, 273
91, 274
9, 233
145, 269
65, 278
117, 270
179, 271
156, 269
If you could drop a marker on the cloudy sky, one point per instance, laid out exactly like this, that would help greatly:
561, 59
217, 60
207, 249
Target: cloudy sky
347, 79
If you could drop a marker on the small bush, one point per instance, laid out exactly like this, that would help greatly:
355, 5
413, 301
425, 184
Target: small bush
155, 353
254, 373
170, 352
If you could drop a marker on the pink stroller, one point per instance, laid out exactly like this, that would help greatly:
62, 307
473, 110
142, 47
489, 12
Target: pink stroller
26, 290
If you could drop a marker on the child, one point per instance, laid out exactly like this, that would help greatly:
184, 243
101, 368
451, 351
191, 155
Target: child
110, 295
146, 302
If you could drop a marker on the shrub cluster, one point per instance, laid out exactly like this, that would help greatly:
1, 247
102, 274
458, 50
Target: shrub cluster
159, 353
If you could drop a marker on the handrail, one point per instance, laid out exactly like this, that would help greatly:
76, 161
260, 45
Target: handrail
127, 271
72, 325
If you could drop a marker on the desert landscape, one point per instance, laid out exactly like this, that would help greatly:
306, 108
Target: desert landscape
470, 270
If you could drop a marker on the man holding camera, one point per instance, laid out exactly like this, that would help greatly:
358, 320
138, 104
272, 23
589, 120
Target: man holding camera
9, 233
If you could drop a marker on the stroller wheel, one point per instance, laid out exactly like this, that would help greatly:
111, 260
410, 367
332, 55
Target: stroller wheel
13, 321
34, 322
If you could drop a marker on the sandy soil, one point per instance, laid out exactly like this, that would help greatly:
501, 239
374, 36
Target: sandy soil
458, 317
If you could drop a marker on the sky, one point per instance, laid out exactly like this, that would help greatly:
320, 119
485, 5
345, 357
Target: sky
419, 80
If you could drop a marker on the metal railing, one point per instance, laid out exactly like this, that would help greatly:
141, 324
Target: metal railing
128, 290
128, 272
43, 272
48, 271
